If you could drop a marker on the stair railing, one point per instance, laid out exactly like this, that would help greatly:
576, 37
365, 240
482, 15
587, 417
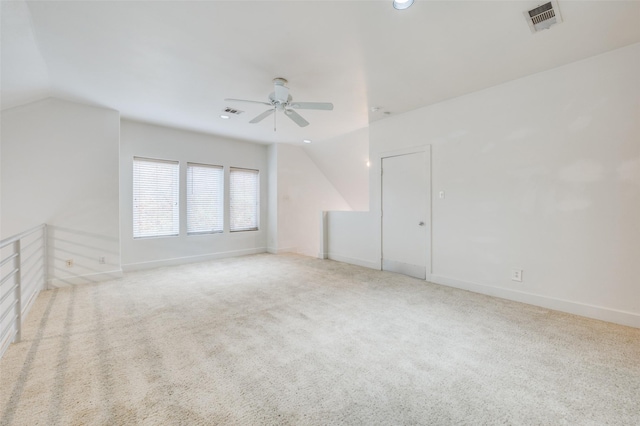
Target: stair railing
23, 274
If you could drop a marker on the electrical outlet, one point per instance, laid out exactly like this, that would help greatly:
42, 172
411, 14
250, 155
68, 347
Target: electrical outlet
516, 275
69, 263
102, 260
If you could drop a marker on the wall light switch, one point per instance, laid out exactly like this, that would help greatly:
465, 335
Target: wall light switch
441, 194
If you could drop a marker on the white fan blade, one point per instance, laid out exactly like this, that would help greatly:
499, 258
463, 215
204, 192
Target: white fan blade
262, 116
244, 100
327, 106
281, 93
297, 118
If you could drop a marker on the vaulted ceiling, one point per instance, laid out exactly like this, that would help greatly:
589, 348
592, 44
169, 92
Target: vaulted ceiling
174, 63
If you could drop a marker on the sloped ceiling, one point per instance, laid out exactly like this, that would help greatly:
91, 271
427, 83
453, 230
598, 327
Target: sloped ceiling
24, 73
344, 161
173, 63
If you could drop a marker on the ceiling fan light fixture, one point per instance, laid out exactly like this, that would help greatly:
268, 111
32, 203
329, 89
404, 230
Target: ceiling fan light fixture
402, 4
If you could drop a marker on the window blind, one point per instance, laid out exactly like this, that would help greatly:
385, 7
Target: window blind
155, 198
205, 198
243, 199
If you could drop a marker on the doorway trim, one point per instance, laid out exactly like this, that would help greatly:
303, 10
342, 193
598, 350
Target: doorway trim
426, 149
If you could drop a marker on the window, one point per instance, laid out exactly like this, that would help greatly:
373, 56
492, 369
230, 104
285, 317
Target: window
155, 198
205, 198
244, 199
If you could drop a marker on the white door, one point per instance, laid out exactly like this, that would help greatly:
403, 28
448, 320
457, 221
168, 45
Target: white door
405, 225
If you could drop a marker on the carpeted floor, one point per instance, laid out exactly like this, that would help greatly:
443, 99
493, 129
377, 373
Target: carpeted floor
291, 340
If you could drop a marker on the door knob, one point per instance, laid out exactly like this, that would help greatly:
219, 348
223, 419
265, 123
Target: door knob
421, 223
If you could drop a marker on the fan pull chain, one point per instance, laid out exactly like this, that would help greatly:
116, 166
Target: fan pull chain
275, 113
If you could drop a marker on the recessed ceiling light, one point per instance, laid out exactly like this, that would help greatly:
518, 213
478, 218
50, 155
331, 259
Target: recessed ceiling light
375, 109
306, 140
402, 4
226, 117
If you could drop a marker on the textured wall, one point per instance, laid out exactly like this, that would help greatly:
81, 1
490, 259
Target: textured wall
145, 140
540, 174
60, 167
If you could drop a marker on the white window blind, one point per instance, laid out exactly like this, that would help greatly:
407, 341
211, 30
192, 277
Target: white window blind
243, 199
205, 198
155, 198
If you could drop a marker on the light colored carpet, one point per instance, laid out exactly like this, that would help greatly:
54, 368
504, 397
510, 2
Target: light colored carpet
288, 339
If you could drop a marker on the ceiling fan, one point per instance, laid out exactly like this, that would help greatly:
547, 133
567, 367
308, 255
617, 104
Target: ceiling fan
281, 100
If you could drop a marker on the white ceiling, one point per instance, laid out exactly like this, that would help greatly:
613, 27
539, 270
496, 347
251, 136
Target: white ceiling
173, 63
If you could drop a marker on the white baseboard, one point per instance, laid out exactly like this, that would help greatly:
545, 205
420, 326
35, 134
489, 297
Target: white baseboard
597, 312
84, 279
354, 261
190, 259
274, 250
308, 253
291, 250
294, 250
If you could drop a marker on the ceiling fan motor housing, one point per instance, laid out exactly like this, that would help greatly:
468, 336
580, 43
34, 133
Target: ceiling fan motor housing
281, 92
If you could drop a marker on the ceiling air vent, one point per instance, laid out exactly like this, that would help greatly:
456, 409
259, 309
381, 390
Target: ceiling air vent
233, 111
543, 16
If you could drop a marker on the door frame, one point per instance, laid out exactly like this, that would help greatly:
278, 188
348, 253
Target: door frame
426, 149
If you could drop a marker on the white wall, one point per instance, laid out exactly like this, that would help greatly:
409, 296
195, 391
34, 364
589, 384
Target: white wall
352, 238
150, 141
303, 192
540, 174
272, 204
60, 167
343, 160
